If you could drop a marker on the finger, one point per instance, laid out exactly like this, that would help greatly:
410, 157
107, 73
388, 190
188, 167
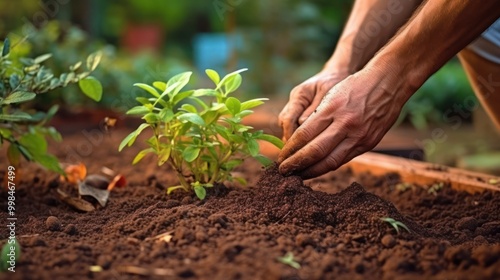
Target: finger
304, 134
300, 99
309, 110
331, 162
314, 151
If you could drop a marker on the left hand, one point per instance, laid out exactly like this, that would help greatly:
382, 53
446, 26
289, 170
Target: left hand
351, 119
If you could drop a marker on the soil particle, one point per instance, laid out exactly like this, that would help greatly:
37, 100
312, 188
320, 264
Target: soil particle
388, 241
53, 223
469, 223
70, 229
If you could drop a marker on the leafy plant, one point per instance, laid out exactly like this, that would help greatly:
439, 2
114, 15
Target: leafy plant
21, 80
395, 224
288, 259
198, 132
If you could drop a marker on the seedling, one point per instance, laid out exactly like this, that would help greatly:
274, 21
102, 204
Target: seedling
198, 132
395, 224
435, 188
10, 254
21, 80
288, 259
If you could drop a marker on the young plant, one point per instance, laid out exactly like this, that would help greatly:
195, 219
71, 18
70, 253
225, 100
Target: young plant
198, 132
21, 80
395, 224
288, 259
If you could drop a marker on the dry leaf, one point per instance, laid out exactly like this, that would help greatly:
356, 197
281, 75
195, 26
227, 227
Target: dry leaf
118, 181
97, 181
74, 173
76, 203
100, 195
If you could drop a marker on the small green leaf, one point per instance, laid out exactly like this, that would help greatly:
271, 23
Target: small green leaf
171, 189
148, 88
35, 143
160, 85
253, 147
232, 84
271, 139
200, 192
190, 153
130, 139
180, 80
181, 96
213, 75
6, 47
141, 155
18, 97
48, 161
229, 76
75, 66
166, 115
233, 105
189, 108
91, 87
138, 110
93, 60
6, 251
42, 58
193, 118
289, 260
17, 116
151, 118
164, 155
14, 81
252, 103
263, 160
13, 155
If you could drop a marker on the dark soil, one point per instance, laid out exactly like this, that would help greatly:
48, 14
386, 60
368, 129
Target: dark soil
331, 225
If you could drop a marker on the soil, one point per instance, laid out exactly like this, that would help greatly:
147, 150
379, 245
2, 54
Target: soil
331, 225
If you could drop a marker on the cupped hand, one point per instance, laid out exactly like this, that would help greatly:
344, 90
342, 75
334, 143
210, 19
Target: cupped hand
304, 99
350, 120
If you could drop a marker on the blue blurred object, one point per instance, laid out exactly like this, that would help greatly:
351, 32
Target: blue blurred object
213, 50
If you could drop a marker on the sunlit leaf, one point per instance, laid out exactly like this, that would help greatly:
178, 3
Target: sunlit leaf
200, 192
193, 118
213, 75
91, 87
18, 97
191, 153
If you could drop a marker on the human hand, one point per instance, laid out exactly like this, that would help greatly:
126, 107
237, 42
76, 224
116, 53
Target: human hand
304, 99
350, 120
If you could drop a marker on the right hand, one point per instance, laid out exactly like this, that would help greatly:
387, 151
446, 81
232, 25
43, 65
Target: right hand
304, 99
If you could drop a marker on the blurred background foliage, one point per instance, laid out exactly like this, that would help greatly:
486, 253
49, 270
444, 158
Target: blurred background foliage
282, 42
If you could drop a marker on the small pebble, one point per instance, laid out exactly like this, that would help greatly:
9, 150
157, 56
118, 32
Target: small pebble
70, 229
388, 241
53, 223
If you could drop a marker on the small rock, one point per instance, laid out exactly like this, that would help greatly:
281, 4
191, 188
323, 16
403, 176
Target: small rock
469, 223
70, 229
388, 241
53, 223
303, 240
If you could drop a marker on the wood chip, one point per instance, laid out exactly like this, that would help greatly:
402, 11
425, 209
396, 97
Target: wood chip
77, 203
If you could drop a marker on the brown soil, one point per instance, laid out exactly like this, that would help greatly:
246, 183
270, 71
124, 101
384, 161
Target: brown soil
333, 227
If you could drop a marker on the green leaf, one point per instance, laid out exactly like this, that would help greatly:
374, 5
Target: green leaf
181, 96
252, 103
289, 260
189, 108
93, 60
48, 161
5, 133
263, 160
130, 139
151, 118
143, 100
42, 58
14, 155
5, 258
232, 83
14, 81
138, 110
193, 118
181, 80
164, 155
205, 92
166, 115
148, 88
213, 75
253, 147
233, 105
18, 97
51, 112
190, 153
35, 143
271, 139
75, 66
91, 87
160, 85
142, 154
6, 47
17, 116
229, 76
200, 192
168, 92
171, 189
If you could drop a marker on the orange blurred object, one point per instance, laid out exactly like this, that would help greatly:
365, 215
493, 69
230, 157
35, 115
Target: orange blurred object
75, 173
118, 181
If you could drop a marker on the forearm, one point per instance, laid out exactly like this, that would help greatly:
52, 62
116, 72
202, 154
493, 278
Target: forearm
371, 24
435, 34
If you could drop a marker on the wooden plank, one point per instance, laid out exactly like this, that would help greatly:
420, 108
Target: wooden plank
423, 173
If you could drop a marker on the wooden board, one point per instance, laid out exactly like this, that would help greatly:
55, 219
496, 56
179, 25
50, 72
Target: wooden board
423, 173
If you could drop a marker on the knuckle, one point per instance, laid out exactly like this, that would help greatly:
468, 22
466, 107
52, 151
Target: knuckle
332, 161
